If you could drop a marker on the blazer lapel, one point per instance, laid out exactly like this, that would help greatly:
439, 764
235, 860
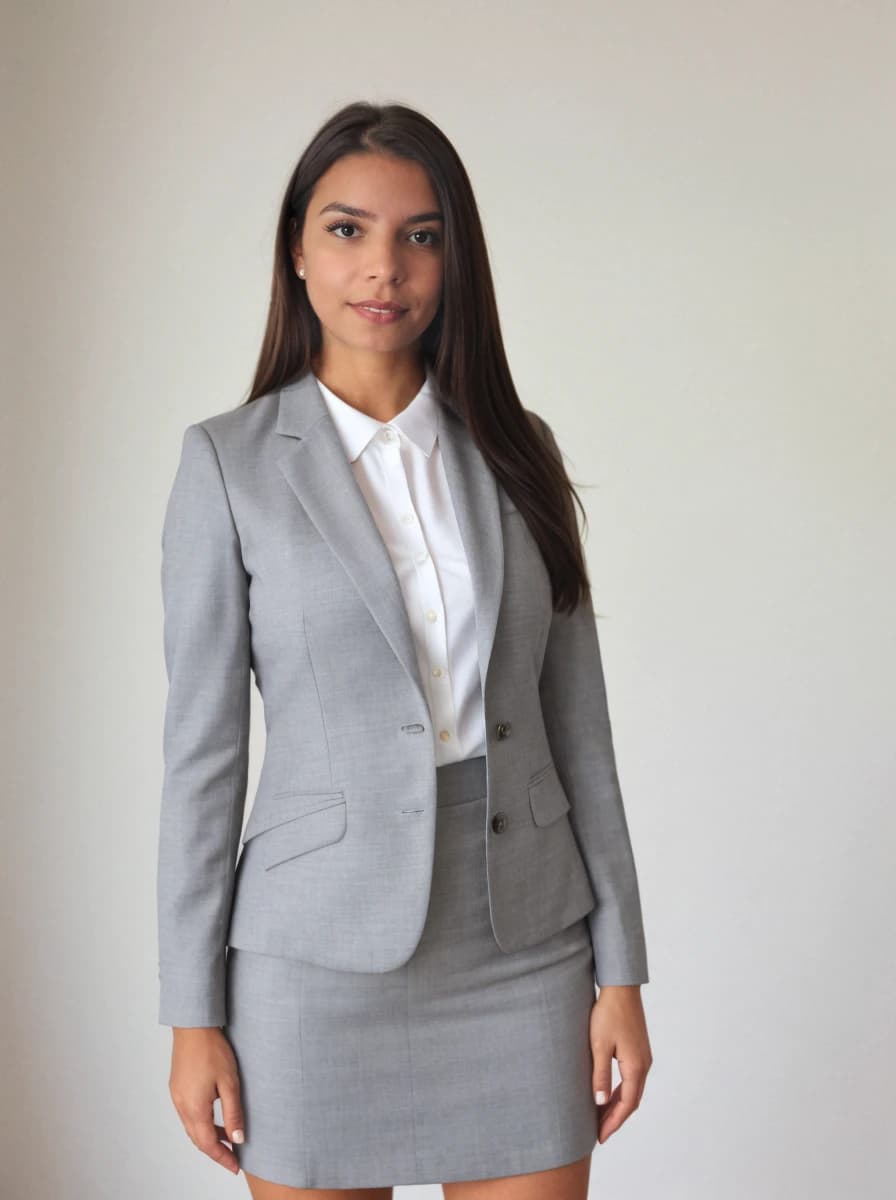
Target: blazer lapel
315, 467
474, 493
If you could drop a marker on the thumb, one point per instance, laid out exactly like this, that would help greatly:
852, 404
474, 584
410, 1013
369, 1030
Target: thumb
602, 1079
232, 1111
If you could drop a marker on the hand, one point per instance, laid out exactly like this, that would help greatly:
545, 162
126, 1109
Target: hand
618, 1028
203, 1066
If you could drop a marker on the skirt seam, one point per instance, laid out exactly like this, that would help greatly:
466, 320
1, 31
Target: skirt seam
407, 1030
304, 1104
554, 1057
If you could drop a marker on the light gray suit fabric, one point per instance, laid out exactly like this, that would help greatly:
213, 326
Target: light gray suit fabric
273, 566
463, 1063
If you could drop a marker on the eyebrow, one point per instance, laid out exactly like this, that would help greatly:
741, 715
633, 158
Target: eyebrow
336, 206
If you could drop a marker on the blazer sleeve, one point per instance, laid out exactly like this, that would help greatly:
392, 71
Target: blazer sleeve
574, 703
205, 737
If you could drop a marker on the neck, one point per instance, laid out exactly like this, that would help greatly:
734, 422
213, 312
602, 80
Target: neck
380, 391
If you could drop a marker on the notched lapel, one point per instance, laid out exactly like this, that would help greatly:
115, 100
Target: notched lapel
474, 493
315, 467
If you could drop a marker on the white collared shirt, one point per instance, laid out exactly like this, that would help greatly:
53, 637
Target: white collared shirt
399, 468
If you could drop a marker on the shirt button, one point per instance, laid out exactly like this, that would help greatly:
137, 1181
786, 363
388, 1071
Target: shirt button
437, 671
421, 558
388, 435
431, 614
444, 735
407, 518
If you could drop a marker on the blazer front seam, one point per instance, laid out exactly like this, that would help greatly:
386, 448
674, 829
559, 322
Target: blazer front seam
320, 702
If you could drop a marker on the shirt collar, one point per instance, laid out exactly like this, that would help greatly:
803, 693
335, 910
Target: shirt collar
419, 421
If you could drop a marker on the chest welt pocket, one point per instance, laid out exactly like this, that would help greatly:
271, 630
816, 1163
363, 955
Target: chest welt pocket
547, 799
294, 823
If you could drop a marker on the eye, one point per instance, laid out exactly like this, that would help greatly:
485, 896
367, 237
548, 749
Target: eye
341, 225
431, 233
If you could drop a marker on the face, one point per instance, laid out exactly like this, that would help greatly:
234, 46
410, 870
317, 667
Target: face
371, 234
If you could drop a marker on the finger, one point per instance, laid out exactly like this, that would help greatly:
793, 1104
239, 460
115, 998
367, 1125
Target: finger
634, 1080
231, 1110
222, 1136
609, 1118
623, 1102
602, 1074
204, 1135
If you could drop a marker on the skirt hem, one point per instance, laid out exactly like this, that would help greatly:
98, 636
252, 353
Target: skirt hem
546, 1157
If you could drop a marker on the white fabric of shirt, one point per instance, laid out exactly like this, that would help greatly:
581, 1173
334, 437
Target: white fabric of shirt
399, 468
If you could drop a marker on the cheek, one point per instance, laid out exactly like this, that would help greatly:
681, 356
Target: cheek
431, 288
330, 270
329, 292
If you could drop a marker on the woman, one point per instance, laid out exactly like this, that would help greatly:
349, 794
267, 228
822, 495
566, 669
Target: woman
395, 982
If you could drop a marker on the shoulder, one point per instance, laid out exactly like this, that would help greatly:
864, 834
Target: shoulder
241, 425
235, 437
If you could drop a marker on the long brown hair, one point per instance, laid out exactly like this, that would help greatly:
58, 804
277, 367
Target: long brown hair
462, 344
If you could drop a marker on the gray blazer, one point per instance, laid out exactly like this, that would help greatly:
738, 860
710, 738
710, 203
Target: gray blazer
272, 565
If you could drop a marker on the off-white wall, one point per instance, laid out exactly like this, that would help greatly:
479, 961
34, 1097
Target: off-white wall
689, 210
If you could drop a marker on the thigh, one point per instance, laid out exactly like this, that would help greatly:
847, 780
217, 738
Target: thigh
262, 1189
569, 1182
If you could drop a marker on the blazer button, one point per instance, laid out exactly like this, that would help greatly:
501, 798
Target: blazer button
499, 822
503, 729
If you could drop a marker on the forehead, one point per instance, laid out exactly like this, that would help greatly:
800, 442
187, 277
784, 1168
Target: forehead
382, 185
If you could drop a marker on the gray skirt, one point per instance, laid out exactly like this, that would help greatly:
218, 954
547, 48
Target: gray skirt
465, 1063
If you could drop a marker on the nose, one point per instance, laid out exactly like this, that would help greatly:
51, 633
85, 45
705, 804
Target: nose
384, 262
385, 271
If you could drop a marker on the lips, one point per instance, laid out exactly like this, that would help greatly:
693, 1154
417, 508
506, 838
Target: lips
380, 306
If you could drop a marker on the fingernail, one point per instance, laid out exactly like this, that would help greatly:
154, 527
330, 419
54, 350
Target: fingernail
600, 1097
238, 1136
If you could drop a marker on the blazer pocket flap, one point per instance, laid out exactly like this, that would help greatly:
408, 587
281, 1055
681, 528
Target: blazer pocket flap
285, 807
312, 831
547, 798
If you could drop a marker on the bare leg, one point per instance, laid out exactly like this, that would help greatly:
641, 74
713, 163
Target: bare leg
262, 1189
569, 1182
